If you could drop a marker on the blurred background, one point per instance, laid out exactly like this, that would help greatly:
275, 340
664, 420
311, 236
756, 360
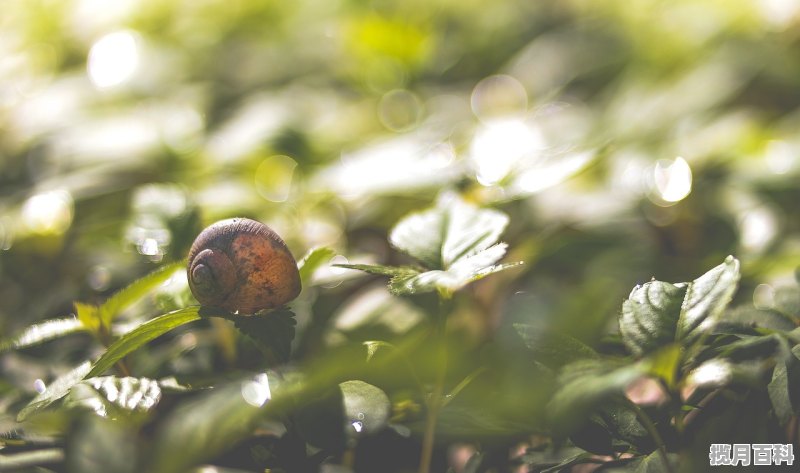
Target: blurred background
626, 140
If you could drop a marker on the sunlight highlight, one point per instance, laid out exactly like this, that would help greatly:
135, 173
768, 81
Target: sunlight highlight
113, 59
48, 213
672, 180
257, 391
499, 145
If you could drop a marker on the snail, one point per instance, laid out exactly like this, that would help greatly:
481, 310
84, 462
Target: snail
242, 265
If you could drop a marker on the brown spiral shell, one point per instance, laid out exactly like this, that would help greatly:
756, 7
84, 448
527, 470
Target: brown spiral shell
242, 265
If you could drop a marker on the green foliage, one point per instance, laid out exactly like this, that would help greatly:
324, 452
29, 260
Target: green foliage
429, 143
142, 334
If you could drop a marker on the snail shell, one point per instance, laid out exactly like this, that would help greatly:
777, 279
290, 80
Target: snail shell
242, 265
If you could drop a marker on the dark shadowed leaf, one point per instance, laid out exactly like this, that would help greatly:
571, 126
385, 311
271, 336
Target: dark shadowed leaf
784, 388
551, 348
706, 299
55, 391
99, 445
654, 463
584, 385
273, 331
650, 315
208, 424
142, 334
48, 330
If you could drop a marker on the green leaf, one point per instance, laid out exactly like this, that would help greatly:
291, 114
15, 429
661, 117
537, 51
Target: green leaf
100, 445
706, 299
392, 271
650, 315
213, 421
451, 231
47, 330
551, 348
118, 394
55, 391
89, 315
273, 331
784, 388
135, 291
314, 259
568, 463
32, 460
584, 385
366, 407
654, 463
142, 334
461, 273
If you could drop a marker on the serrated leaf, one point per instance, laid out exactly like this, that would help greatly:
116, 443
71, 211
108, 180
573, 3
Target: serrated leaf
314, 259
551, 348
120, 394
55, 390
463, 272
142, 334
706, 299
135, 291
452, 230
39, 333
650, 315
273, 332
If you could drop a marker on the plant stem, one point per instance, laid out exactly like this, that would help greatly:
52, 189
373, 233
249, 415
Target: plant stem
651, 429
435, 401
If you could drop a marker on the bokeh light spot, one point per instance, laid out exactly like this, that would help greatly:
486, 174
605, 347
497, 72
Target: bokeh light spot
497, 96
672, 180
48, 212
273, 178
113, 59
399, 110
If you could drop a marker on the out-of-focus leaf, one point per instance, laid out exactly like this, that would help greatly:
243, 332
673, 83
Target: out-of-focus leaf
451, 231
551, 348
366, 407
584, 385
208, 424
99, 445
142, 334
89, 315
393, 271
135, 291
664, 363
273, 331
315, 258
719, 372
24, 461
105, 393
48, 330
706, 299
784, 388
787, 301
748, 320
650, 315
55, 391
